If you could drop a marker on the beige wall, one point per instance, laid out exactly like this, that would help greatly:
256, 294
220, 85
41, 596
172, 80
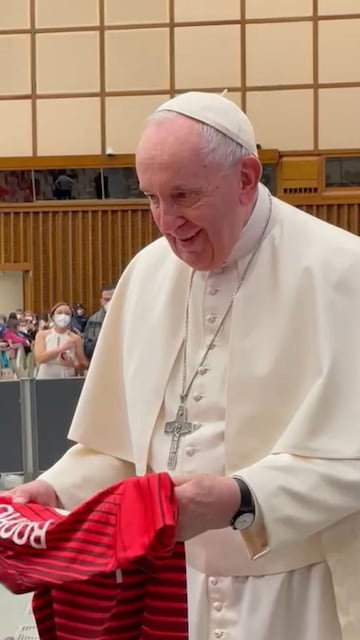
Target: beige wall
11, 291
80, 75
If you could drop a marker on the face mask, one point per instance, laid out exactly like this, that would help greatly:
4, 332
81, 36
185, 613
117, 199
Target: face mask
62, 320
106, 305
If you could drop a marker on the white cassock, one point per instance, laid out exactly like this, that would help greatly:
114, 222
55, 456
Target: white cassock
277, 402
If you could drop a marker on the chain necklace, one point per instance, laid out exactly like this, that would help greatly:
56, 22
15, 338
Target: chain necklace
180, 426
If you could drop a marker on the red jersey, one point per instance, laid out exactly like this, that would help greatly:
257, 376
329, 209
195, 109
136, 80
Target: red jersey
109, 570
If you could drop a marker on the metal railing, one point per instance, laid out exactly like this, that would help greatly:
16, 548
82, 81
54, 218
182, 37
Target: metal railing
16, 363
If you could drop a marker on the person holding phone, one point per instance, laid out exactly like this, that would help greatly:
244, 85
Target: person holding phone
59, 351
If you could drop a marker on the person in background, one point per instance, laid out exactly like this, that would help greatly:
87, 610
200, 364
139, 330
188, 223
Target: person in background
4, 350
26, 332
31, 323
19, 313
2, 324
44, 320
3, 343
63, 186
74, 325
79, 313
95, 322
27, 326
13, 335
59, 351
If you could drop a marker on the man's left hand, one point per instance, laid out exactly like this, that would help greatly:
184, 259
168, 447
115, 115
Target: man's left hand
205, 502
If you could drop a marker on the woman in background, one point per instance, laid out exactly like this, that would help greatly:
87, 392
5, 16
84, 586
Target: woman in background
59, 351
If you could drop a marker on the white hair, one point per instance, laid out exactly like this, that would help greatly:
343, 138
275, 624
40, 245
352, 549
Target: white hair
215, 146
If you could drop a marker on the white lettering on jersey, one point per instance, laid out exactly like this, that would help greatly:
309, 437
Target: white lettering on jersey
22, 530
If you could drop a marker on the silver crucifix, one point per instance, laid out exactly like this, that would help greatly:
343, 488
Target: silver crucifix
177, 429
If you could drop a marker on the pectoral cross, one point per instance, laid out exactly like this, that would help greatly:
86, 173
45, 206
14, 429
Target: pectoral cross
177, 429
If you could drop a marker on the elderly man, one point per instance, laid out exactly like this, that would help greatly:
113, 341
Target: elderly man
232, 348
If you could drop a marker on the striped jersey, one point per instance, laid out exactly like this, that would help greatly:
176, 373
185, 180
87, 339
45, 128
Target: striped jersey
109, 570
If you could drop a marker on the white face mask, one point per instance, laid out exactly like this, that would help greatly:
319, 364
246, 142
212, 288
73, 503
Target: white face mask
106, 305
62, 320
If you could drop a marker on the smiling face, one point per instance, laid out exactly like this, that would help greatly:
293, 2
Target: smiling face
199, 206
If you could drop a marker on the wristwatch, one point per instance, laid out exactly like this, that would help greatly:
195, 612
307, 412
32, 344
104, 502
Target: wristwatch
245, 516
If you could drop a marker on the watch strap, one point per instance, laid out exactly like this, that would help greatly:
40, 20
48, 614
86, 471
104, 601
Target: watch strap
247, 504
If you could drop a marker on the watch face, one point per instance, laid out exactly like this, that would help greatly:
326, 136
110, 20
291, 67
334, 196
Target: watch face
244, 521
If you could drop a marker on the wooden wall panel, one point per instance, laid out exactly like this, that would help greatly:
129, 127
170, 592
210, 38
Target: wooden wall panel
14, 245
346, 216
72, 253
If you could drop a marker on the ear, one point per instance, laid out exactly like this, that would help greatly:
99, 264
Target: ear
250, 171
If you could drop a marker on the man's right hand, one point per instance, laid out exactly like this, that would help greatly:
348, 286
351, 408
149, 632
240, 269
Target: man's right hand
38, 491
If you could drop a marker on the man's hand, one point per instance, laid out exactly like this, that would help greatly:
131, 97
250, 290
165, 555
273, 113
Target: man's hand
205, 502
38, 491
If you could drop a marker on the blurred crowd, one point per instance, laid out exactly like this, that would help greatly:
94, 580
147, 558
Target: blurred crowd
54, 344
